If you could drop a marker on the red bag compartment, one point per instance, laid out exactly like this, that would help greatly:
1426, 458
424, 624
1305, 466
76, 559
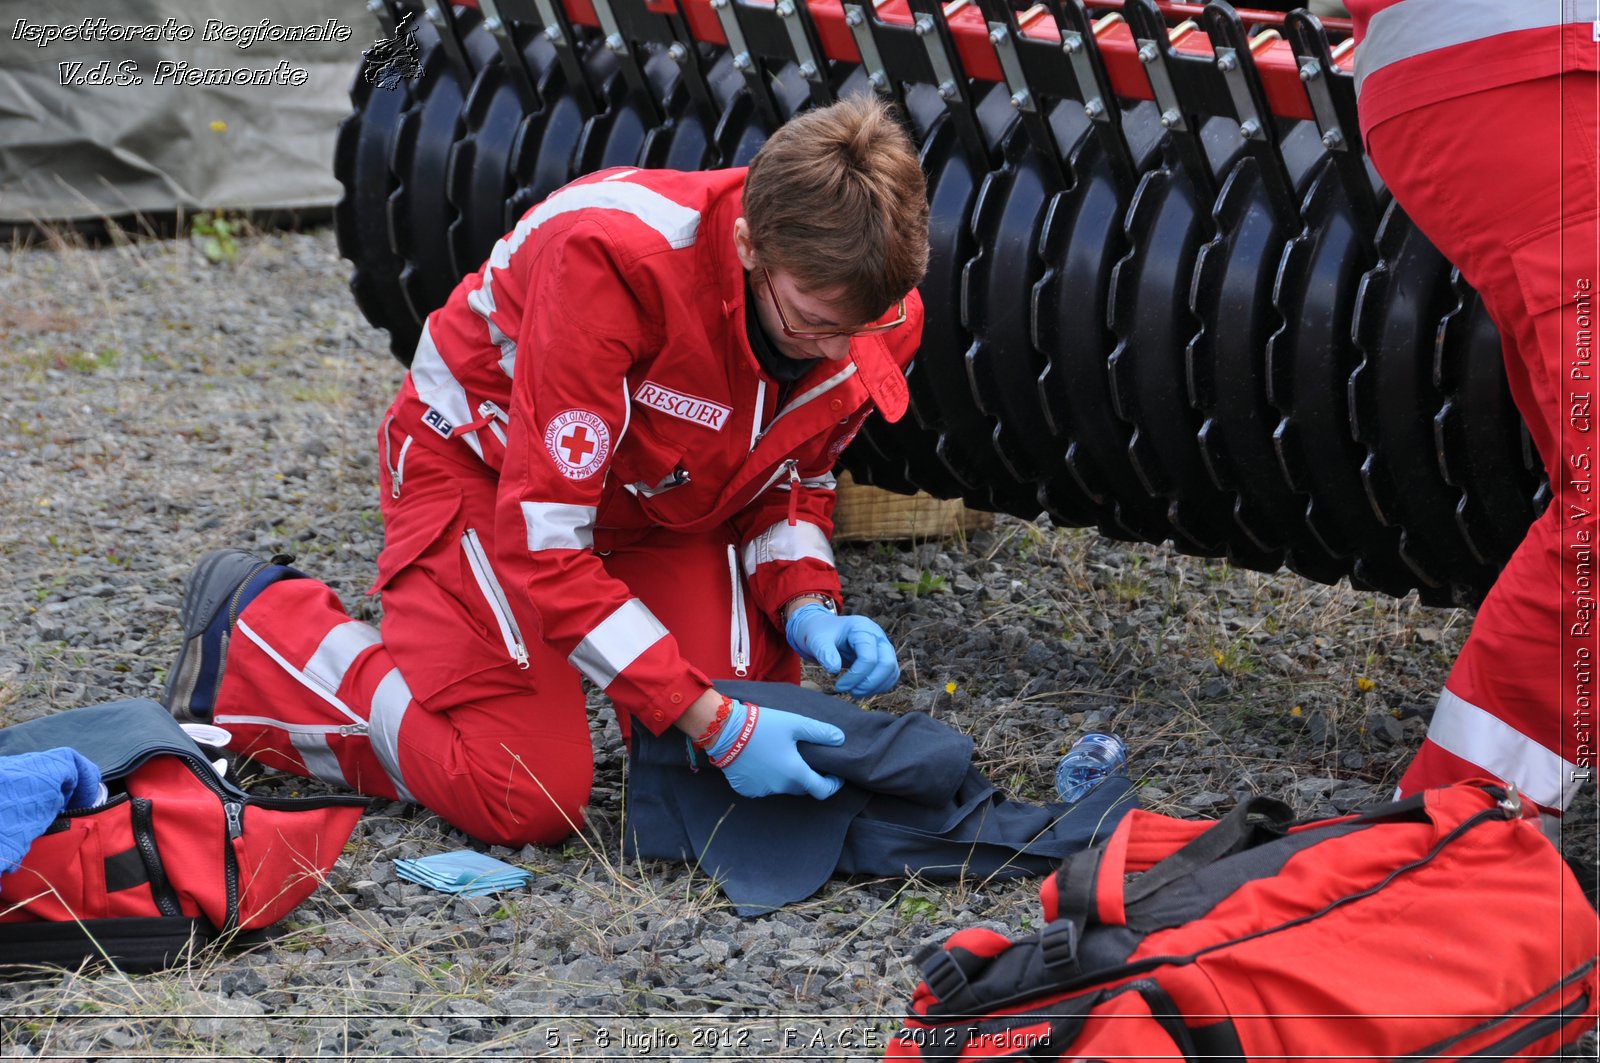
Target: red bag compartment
90, 864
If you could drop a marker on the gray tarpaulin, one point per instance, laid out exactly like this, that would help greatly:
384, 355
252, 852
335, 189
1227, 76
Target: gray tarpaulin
75, 152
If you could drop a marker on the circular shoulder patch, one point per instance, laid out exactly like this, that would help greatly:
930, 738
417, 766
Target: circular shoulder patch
579, 441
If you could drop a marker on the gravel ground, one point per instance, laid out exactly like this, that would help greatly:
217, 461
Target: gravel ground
160, 405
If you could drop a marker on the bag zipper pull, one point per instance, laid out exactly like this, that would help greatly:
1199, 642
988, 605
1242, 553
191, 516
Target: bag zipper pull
234, 812
1511, 803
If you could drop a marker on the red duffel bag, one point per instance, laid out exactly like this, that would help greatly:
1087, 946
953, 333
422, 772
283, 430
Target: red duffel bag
1443, 926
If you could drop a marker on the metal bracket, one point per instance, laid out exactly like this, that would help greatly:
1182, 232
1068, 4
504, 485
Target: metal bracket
745, 62
1155, 69
1332, 96
521, 79
622, 48
1082, 49
1005, 49
1232, 67
860, 22
438, 13
931, 25
558, 31
813, 65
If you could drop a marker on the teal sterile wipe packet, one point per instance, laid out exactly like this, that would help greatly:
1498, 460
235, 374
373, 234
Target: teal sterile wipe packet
465, 871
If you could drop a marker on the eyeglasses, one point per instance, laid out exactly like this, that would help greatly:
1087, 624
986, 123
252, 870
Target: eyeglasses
805, 334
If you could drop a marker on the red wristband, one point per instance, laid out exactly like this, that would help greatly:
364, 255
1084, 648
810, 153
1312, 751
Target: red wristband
709, 735
751, 711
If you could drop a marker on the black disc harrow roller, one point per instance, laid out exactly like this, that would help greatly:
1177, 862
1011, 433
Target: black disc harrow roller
1167, 295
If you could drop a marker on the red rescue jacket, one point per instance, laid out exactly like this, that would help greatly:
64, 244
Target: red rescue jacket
598, 363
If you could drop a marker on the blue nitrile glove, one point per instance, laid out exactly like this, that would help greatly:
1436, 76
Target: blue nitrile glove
824, 637
769, 762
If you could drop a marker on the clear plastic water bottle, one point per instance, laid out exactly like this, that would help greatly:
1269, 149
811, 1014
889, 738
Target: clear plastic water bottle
1091, 758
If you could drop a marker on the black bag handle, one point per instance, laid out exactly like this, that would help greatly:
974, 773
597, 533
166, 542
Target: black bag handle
1250, 823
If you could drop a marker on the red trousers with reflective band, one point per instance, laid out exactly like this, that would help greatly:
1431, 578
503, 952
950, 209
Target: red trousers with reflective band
1504, 182
439, 709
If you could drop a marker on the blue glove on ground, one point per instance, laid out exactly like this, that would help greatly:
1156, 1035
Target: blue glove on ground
769, 762
826, 638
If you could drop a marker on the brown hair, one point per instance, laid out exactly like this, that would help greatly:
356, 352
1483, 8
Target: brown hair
836, 198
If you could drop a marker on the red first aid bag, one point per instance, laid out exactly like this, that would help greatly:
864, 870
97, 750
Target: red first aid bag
1443, 926
174, 856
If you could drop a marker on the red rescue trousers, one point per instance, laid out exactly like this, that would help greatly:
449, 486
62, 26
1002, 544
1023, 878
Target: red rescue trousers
438, 709
1504, 182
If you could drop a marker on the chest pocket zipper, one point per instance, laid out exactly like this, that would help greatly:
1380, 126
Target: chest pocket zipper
397, 466
495, 596
495, 417
739, 634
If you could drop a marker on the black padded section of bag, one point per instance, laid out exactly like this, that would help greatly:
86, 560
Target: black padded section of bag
142, 943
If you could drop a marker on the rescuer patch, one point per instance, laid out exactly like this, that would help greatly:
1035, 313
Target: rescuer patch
684, 407
579, 441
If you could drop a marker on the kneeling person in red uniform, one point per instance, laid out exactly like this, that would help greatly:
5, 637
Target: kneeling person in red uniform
610, 458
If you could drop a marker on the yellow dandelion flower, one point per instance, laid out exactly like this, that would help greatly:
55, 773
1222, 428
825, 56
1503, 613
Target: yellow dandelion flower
1296, 711
219, 126
950, 687
1365, 685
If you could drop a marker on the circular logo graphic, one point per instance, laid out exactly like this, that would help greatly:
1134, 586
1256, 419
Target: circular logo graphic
579, 441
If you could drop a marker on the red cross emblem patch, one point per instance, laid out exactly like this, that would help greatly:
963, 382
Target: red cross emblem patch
579, 441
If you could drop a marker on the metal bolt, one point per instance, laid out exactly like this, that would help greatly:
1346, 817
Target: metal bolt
1310, 72
947, 90
1249, 129
677, 52
878, 81
1019, 100
1332, 139
1227, 64
741, 62
785, 9
808, 70
853, 17
493, 24
616, 43
552, 34
1072, 43
434, 16
922, 28
1170, 119
719, 4
997, 37
1147, 54
1094, 108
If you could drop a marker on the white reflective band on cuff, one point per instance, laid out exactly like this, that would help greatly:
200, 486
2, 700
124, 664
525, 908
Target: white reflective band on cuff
1412, 27
1474, 735
338, 651
319, 758
554, 526
437, 387
389, 704
617, 642
783, 543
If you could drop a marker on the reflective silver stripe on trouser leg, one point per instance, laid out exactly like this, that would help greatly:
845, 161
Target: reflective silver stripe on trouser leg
1412, 27
389, 704
318, 757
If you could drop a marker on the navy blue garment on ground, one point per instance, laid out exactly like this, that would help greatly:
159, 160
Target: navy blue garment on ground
911, 801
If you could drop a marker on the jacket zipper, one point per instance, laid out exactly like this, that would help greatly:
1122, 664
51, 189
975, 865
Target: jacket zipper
495, 416
756, 431
740, 633
397, 469
359, 727
495, 595
794, 491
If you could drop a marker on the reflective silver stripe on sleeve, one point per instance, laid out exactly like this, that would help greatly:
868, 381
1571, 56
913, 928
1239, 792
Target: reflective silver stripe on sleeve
783, 543
337, 652
318, 757
617, 642
389, 704
553, 526
1477, 736
1412, 27
437, 387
